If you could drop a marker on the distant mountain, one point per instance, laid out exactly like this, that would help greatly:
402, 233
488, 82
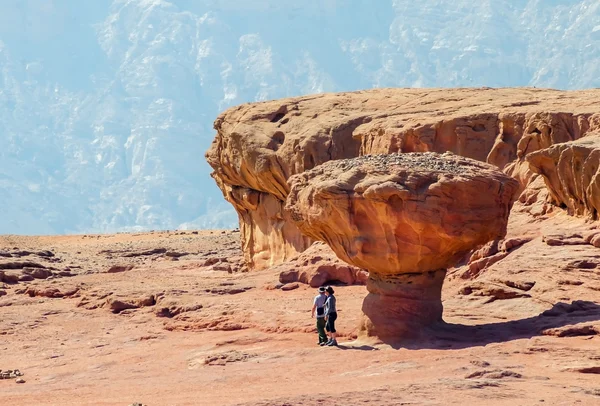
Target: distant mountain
106, 107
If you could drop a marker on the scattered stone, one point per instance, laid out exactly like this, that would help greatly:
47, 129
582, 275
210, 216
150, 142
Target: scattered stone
521, 285
170, 310
33, 291
273, 286
149, 300
10, 278
20, 380
38, 273
290, 286
26, 278
228, 357
210, 261
117, 306
563, 239
494, 291
154, 251
572, 331
10, 374
493, 374
584, 370
20, 265
511, 243
120, 268
570, 282
222, 267
228, 291
481, 364
582, 264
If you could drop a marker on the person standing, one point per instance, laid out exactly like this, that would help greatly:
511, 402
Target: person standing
318, 309
330, 316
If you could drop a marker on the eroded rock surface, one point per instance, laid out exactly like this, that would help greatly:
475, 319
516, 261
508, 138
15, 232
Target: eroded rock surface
259, 146
571, 172
405, 218
318, 266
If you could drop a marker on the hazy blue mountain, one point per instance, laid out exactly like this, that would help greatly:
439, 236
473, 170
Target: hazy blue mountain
106, 107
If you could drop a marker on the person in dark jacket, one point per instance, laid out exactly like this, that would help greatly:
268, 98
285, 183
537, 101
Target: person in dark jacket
330, 316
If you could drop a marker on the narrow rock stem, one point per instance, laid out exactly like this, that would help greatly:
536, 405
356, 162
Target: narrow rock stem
400, 306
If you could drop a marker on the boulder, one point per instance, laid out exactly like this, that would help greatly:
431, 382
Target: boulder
405, 218
120, 268
37, 273
259, 146
319, 266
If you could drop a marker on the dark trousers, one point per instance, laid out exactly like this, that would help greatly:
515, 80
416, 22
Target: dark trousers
321, 329
330, 325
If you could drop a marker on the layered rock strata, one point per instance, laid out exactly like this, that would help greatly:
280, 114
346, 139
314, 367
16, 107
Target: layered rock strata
571, 171
405, 218
259, 146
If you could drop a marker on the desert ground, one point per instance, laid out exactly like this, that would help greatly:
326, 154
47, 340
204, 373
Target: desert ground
175, 318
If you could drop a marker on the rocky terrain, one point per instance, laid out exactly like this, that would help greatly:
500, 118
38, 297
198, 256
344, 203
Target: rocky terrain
173, 318
492, 193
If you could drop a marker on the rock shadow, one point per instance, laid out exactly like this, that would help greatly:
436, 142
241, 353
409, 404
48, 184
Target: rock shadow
456, 336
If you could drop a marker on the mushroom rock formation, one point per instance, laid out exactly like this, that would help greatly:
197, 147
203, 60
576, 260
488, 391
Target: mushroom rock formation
259, 146
571, 171
405, 218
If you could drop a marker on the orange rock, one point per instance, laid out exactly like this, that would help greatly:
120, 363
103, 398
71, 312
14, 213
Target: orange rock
318, 266
259, 146
570, 171
405, 218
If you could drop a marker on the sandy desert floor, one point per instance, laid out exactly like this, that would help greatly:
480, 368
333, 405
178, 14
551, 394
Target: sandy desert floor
172, 318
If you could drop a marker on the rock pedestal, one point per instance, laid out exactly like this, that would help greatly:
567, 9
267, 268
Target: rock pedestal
405, 218
401, 306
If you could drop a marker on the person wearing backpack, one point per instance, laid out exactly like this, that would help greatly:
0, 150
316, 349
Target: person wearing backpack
330, 316
318, 309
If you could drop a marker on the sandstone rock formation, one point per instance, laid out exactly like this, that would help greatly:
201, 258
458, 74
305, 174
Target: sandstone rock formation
318, 266
405, 218
571, 172
259, 146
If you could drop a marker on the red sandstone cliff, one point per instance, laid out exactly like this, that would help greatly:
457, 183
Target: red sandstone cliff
259, 146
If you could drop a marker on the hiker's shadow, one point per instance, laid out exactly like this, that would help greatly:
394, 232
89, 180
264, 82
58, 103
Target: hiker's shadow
448, 335
362, 347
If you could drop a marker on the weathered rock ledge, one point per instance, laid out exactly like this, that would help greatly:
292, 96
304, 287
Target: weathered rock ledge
571, 171
259, 146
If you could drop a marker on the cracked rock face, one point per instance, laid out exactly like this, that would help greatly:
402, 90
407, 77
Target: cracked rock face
405, 218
